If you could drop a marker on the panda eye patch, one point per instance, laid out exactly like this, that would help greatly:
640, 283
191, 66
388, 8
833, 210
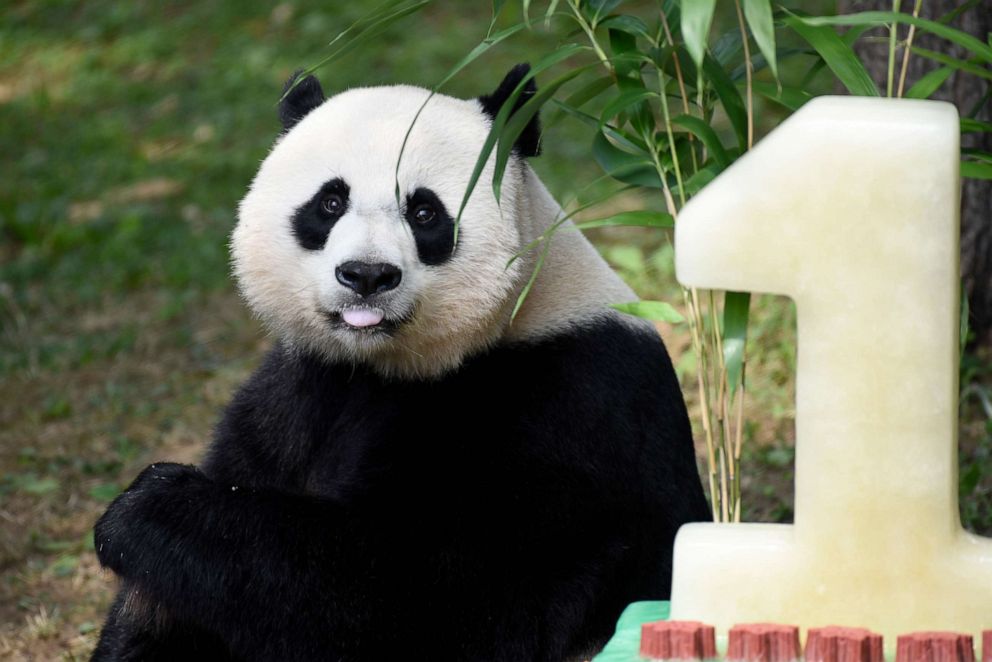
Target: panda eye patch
432, 225
312, 221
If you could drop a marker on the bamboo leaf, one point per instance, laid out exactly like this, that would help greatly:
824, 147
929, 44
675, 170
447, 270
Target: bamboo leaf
736, 311
969, 125
963, 39
697, 16
970, 478
729, 97
637, 218
929, 83
855, 33
980, 105
480, 163
626, 23
624, 101
623, 166
376, 14
700, 178
728, 47
950, 16
589, 91
519, 121
705, 133
481, 48
372, 28
976, 170
580, 97
839, 56
758, 62
623, 139
552, 6
759, 18
599, 8
474, 54
977, 154
532, 279
582, 116
954, 63
626, 60
656, 311
502, 116
561, 221
818, 66
790, 97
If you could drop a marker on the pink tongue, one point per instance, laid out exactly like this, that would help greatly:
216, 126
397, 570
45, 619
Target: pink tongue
361, 318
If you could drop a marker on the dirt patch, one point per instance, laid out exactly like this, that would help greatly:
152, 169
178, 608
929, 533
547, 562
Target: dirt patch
71, 439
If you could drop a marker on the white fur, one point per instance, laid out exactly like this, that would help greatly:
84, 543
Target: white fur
454, 308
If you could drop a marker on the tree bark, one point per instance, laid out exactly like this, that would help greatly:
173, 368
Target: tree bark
969, 93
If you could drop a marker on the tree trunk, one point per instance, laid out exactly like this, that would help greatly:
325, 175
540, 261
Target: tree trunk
969, 94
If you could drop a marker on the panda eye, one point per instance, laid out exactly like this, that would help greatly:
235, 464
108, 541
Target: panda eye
332, 205
424, 214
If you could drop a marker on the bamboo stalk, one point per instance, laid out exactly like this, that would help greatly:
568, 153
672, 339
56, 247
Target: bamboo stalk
704, 417
737, 445
748, 68
893, 30
907, 49
680, 79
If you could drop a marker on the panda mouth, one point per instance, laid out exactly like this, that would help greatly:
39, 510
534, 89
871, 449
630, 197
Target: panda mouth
360, 320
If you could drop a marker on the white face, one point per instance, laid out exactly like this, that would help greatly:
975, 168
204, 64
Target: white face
331, 263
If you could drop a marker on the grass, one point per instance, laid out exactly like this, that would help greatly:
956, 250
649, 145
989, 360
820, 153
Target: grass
133, 129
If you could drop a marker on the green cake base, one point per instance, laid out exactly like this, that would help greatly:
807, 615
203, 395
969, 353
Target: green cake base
626, 641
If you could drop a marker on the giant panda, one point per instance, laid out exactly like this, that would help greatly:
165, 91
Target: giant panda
413, 472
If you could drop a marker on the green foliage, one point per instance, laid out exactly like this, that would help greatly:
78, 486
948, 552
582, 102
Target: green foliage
637, 218
838, 55
736, 307
105, 491
975, 459
696, 20
930, 83
759, 19
657, 311
29, 483
873, 18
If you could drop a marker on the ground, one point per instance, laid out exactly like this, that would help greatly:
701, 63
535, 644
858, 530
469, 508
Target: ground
133, 130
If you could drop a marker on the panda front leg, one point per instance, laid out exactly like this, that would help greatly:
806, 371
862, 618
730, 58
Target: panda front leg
138, 630
225, 564
276, 576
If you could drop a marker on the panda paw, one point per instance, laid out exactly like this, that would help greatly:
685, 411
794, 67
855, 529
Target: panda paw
135, 524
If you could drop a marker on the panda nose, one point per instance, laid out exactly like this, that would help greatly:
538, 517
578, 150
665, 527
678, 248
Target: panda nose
366, 278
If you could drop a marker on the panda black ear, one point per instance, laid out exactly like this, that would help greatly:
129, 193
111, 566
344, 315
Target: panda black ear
299, 101
529, 142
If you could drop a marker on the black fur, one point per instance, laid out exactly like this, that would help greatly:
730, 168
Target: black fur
507, 511
529, 141
312, 223
436, 239
303, 98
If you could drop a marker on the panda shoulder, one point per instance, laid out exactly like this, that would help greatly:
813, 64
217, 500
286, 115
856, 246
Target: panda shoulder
574, 286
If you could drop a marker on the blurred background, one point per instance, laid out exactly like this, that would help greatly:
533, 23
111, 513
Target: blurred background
129, 132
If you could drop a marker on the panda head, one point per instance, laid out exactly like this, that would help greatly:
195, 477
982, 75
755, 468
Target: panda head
343, 254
